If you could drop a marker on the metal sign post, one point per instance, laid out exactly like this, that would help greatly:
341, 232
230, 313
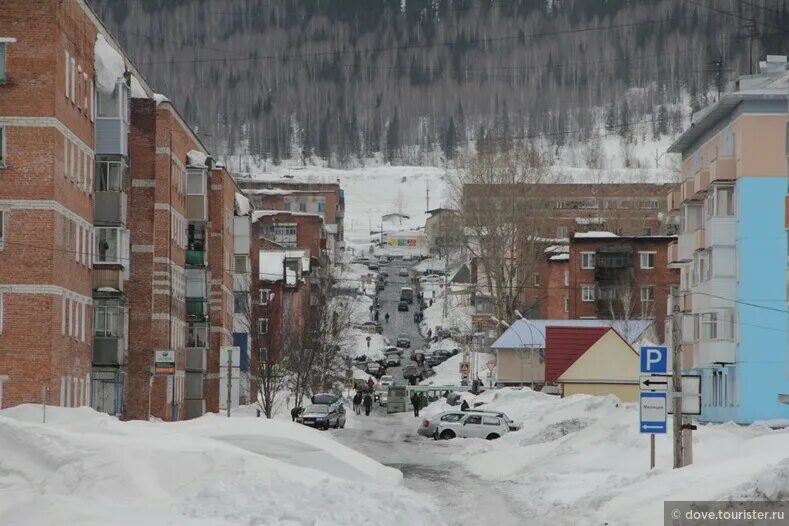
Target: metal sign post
653, 400
229, 381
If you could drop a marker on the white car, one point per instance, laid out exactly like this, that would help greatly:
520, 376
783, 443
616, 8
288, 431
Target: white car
473, 425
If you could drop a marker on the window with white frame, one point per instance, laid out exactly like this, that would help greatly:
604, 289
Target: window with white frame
108, 319
108, 104
110, 176
263, 326
536, 279
197, 335
710, 322
2, 62
67, 70
566, 278
566, 304
587, 260
108, 245
195, 283
2, 147
647, 294
264, 296
587, 293
647, 260
561, 232
195, 182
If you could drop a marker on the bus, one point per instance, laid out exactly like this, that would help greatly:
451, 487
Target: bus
407, 294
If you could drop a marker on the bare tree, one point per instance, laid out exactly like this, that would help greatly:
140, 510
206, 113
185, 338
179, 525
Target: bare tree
503, 212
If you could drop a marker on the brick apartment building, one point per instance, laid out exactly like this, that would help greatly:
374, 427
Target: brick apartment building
327, 200
97, 187
620, 278
293, 230
49, 125
556, 210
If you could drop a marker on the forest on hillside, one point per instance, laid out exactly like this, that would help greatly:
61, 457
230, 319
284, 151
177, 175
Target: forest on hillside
340, 79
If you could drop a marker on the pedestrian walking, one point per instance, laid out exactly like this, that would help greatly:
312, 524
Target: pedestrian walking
416, 400
368, 403
357, 402
464, 406
295, 412
376, 314
370, 382
431, 302
386, 317
429, 333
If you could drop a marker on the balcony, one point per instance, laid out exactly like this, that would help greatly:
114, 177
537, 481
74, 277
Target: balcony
673, 253
108, 278
700, 237
197, 307
196, 359
110, 208
701, 180
112, 136
196, 258
686, 302
723, 169
688, 188
107, 351
674, 199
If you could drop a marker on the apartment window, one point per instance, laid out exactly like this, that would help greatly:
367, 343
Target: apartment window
647, 294
264, 296
302, 207
110, 176
67, 70
3, 215
587, 260
696, 327
650, 204
647, 260
108, 104
587, 293
108, 320
321, 207
536, 279
287, 206
195, 182
240, 302
724, 201
566, 304
195, 283
590, 202
566, 278
2, 62
647, 231
241, 265
710, 322
108, 245
197, 336
2, 147
73, 74
263, 326
561, 232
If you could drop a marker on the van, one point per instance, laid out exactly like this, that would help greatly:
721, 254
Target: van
407, 294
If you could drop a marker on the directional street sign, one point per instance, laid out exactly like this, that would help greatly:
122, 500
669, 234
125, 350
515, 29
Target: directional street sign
652, 413
654, 382
691, 394
654, 359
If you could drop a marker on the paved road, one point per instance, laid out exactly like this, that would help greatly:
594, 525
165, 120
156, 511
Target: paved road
399, 322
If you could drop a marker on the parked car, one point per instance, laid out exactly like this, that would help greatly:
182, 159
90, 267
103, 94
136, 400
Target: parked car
435, 359
510, 423
383, 260
325, 399
372, 368
380, 286
373, 327
403, 272
398, 350
384, 274
383, 387
445, 353
473, 425
430, 423
403, 340
402, 306
360, 358
373, 265
323, 416
393, 359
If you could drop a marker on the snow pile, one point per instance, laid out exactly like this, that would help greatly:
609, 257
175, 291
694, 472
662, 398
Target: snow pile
448, 373
83, 467
459, 311
584, 456
242, 205
196, 158
158, 98
594, 234
137, 91
108, 64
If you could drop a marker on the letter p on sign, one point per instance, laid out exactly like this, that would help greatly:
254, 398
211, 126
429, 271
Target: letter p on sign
654, 359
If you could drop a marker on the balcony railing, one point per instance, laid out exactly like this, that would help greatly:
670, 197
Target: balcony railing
701, 180
197, 307
674, 199
107, 350
106, 278
673, 253
701, 239
723, 169
688, 188
196, 257
686, 302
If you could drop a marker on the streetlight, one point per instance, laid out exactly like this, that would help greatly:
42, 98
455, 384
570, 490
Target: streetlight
531, 354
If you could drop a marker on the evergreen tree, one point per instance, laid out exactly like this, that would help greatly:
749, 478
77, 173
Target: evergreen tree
393, 145
449, 144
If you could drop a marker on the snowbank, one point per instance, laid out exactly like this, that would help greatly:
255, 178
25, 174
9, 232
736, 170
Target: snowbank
242, 205
583, 455
109, 65
83, 467
137, 91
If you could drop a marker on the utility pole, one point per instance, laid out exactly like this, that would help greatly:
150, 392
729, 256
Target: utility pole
427, 196
676, 379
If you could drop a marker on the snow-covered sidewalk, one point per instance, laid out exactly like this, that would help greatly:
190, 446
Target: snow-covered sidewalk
83, 467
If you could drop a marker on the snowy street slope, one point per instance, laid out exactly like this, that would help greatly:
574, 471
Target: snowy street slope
83, 467
582, 460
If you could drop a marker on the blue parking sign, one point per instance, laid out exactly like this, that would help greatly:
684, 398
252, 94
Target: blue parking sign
654, 359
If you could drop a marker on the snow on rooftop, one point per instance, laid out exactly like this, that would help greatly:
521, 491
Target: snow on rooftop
196, 158
589, 220
271, 263
269, 191
257, 214
137, 91
560, 257
594, 234
109, 65
159, 98
531, 333
242, 205
557, 249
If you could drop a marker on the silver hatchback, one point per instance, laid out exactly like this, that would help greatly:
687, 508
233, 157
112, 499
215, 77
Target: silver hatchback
430, 423
473, 425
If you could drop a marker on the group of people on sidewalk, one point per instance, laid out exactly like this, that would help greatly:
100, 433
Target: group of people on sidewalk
362, 400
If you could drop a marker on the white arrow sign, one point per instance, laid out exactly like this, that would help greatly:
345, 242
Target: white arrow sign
654, 382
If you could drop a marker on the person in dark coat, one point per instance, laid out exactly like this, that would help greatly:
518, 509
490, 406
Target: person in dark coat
464, 406
416, 401
370, 382
295, 412
368, 404
357, 402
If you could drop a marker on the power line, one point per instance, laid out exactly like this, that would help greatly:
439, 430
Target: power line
735, 15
